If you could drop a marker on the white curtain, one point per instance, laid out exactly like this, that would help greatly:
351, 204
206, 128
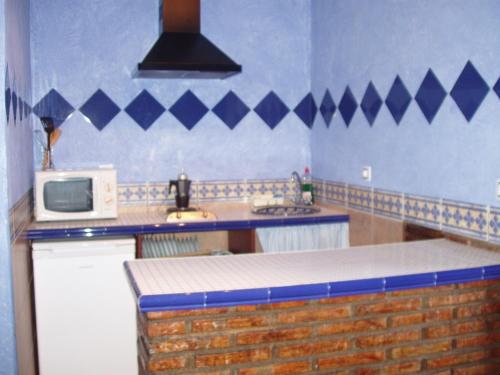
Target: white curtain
304, 237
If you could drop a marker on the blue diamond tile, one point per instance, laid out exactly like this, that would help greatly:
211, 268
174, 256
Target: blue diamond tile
371, 103
8, 99
231, 109
398, 100
27, 109
307, 110
430, 96
327, 108
144, 109
20, 105
55, 106
8, 96
496, 88
189, 109
14, 105
99, 109
469, 91
348, 106
272, 110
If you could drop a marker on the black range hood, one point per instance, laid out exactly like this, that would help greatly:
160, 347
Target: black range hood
181, 51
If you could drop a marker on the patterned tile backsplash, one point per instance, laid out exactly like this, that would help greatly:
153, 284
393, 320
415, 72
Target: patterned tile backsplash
387, 203
360, 198
204, 191
20, 215
494, 224
422, 210
467, 219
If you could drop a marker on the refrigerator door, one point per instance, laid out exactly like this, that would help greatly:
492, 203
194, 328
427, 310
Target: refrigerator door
85, 310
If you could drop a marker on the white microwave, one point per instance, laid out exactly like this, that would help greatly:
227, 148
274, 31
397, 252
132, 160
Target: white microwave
75, 194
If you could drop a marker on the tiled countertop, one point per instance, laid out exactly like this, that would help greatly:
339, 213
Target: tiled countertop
152, 219
198, 282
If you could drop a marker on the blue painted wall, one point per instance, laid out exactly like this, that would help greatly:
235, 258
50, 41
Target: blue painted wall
79, 47
7, 329
16, 157
18, 82
355, 42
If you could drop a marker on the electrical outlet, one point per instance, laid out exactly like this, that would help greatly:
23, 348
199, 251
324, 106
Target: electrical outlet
366, 173
498, 189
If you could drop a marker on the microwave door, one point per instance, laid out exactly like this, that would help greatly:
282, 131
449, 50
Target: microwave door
69, 195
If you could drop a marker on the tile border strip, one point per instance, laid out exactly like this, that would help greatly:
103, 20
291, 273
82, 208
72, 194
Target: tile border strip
476, 221
203, 191
20, 215
472, 220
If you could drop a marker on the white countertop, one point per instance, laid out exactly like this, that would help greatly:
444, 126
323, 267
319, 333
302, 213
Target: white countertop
166, 276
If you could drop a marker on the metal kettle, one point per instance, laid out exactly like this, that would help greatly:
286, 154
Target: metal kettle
182, 186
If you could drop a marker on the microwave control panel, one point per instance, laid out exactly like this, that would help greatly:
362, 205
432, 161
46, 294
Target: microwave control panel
110, 194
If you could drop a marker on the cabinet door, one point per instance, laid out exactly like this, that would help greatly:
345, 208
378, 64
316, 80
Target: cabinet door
85, 314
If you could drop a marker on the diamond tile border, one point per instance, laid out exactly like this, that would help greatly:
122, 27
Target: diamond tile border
144, 109
231, 109
469, 90
371, 103
20, 215
327, 108
271, 109
204, 191
398, 99
465, 218
220, 190
422, 210
388, 203
306, 110
468, 93
189, 109
133, 193
157, 193
360, 197
430, 96
54, 105
348, 106
100, 109
494, 224
318, 189
336, 192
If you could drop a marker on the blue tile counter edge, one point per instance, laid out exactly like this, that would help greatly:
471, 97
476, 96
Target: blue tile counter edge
198, 300
113, 230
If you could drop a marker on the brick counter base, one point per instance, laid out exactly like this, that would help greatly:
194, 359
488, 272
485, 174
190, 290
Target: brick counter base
452, 329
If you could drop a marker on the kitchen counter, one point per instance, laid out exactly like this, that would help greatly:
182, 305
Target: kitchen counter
187, 283
419, 307
152, 219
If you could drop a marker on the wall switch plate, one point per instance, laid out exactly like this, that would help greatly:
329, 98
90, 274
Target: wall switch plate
498, 189
366, 173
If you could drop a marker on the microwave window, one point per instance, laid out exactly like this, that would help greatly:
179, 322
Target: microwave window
69, 195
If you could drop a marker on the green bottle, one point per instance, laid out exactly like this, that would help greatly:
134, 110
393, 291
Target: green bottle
307, 187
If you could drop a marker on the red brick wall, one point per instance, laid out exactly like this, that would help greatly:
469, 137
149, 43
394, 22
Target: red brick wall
452, 329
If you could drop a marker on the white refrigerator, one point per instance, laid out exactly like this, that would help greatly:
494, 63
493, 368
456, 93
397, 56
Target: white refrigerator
85, 309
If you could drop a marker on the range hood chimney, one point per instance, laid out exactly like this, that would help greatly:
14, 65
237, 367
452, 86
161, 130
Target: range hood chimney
181, 51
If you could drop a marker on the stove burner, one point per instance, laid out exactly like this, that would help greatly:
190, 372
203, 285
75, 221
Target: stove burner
175, 209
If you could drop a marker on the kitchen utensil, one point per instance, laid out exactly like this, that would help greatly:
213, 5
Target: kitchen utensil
54, 136
48, 126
